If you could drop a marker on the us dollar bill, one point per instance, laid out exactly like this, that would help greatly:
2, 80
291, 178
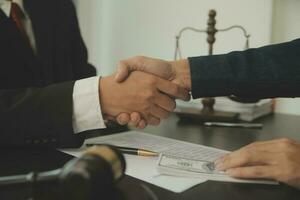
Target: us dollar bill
186, 165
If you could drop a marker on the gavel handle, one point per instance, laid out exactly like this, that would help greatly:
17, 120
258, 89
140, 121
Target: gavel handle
30, 179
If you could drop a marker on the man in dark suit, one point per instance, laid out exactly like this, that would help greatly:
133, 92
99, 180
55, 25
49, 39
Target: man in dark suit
45, 95
266, 72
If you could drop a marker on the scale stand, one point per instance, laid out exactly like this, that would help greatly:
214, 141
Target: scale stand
208, 113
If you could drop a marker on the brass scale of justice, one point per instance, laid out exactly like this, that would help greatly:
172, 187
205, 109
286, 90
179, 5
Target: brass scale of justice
208, 113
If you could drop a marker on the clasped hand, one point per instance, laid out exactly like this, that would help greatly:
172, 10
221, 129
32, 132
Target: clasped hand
141, 98
176, 79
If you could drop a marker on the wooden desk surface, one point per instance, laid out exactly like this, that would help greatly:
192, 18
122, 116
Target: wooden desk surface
275, 126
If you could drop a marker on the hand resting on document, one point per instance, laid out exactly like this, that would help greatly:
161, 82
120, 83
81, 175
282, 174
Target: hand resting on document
276, 159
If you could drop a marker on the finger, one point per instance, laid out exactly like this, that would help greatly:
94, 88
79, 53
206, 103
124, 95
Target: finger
165, 102
173, 89
281, 140
123, 118
157, 67
122, 71
142, 124
158, 112
244, 157
272, 146
153, 121
267, 172
135, 118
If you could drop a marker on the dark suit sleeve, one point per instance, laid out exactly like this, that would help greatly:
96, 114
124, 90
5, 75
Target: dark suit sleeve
38, 116
270, 71
79, 55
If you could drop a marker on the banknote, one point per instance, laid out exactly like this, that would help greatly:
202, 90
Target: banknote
187, 165
197, 168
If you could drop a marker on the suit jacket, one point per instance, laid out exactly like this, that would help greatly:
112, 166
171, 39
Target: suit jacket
266, 72
36, 90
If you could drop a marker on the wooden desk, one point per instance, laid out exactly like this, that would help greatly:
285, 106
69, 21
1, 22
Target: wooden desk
275, 126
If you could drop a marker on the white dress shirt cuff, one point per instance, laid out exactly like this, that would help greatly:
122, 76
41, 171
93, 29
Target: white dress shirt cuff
87, 113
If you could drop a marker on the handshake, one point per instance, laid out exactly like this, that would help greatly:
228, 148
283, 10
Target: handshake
143, 90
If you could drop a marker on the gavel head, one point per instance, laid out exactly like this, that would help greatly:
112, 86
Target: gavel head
93, 175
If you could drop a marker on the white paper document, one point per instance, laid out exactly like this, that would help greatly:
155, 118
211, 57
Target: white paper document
146, 168
143, 168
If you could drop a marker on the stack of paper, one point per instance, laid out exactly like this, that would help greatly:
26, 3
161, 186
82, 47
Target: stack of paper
247, 111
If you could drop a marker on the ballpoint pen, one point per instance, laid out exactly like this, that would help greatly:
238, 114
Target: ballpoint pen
234, 125
132, 151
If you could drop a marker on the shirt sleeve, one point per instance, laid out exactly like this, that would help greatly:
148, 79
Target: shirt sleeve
87, 113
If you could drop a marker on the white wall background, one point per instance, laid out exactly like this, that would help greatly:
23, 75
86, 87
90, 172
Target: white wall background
118, 29
286, 27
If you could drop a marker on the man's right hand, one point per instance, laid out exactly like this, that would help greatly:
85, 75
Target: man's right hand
149, 95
